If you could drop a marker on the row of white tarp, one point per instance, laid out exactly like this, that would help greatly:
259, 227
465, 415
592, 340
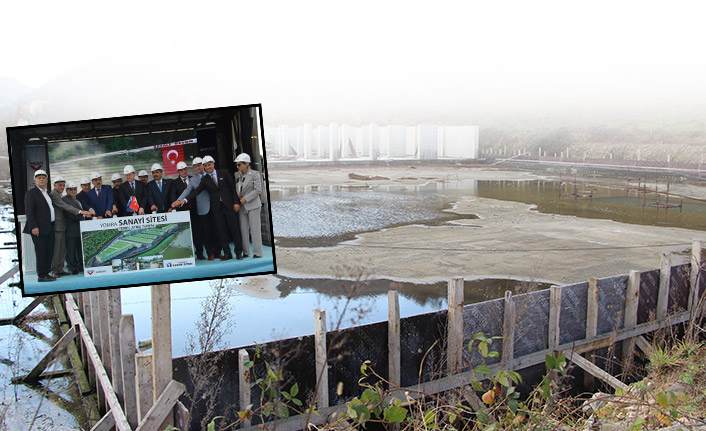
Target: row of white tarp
340, 141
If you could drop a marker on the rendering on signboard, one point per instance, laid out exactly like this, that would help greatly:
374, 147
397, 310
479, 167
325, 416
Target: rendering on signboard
140, 200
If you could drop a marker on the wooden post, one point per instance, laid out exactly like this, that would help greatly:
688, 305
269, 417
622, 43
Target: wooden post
104, 324
554, 316
632, 298
508, 328
665, 272
97, 342
393, 337
127, 365
454, 348
162, 343
591, 324
114, 314
143, 384
321, 358
89, 325
244, 383
694, 275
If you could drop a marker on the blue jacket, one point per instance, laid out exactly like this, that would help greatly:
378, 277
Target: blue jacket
203, 200
104, 204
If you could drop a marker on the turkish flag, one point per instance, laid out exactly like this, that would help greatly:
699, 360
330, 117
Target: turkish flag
132, 204
170, 157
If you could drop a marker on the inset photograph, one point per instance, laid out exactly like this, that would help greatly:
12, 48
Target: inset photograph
138, 200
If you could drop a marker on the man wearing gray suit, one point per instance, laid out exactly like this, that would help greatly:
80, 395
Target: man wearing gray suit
249, 186
203, 208
57, 263
74, 256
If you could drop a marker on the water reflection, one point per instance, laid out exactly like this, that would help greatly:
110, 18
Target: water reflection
284, 308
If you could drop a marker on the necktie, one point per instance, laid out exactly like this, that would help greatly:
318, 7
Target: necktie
132, 184
213, 175
184, 179
159, 184
99, 193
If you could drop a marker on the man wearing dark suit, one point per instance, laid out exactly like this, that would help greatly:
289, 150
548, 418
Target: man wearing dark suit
132, 187
224, 206
160, 190
101, 197
82, 196
180, 184
74, 256
117, 180
40, 224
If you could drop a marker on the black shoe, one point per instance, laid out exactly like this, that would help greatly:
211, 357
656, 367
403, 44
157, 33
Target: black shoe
63, 273
227, 257
241, 256
256, 256
245, 256
46, 278
200, 257
75, 272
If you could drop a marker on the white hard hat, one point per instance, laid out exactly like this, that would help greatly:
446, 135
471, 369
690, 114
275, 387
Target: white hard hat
115, 176
95, 175
143, 173
242, 157
208, 159
128, 169
181, 165
85, 180
156, 167
58, 179
197, 161
39, 172
70, 185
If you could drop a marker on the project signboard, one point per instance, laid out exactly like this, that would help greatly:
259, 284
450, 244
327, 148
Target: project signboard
141, 200
139, 243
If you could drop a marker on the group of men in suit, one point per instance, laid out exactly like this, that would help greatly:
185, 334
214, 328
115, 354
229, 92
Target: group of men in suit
52, 222
210, 196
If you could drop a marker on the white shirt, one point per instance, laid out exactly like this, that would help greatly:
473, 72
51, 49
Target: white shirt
48, 198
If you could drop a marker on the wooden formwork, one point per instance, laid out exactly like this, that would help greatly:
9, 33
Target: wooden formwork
576, 320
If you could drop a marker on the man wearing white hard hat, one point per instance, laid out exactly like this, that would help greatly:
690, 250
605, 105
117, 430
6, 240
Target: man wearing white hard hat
143, 176
160, 191
117, 180
180, 184
224, 206
132, 187
74, 258
40, 224
82, 196
101, 197
202, 226
249, 187
62, 211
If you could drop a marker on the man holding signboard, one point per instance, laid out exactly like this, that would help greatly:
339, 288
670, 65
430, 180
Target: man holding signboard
161, 192
101, 197
74, 259
82, 196
181, 183
224, 206
132, 193
62, 211
117, 180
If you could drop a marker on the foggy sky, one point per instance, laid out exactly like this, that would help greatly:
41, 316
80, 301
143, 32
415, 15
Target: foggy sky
362, 62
